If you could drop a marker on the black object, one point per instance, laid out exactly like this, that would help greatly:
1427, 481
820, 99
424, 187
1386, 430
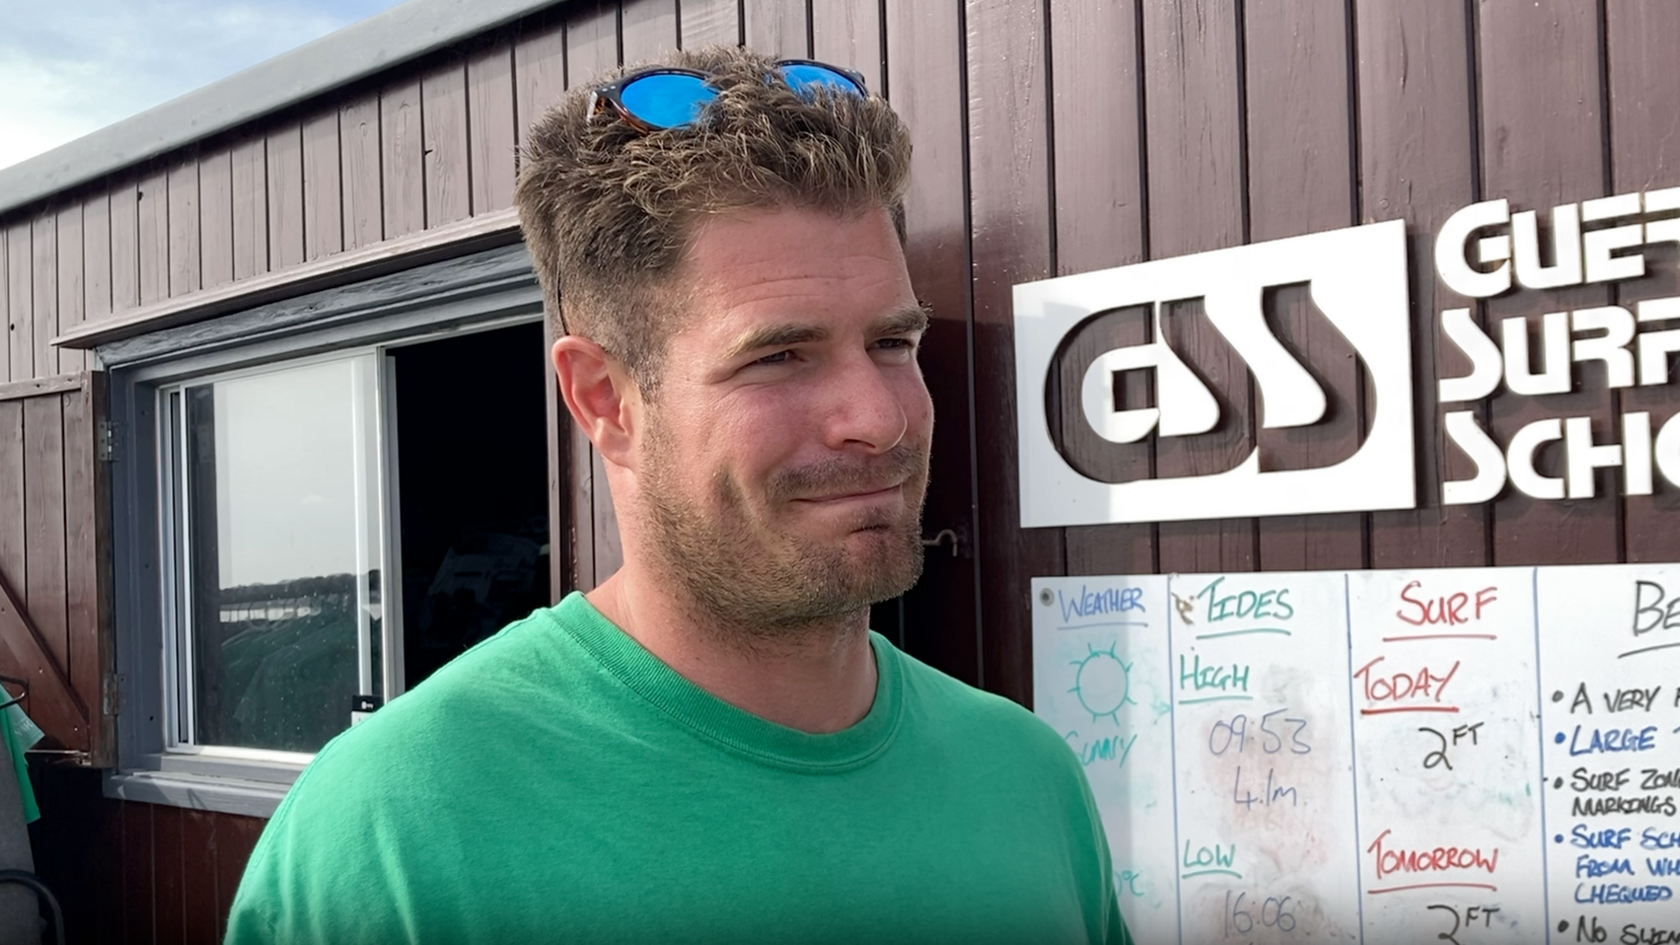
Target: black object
26, 878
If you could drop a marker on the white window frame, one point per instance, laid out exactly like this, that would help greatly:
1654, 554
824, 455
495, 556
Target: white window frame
175, 571
481, 292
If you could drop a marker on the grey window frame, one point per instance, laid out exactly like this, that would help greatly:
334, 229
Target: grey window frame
468, 293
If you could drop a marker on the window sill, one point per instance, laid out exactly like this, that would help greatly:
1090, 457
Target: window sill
227, 795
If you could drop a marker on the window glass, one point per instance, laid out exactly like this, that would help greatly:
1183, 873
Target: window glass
279, 551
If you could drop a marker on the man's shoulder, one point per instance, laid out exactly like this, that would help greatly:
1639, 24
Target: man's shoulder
398, 801
970, 712
462, 708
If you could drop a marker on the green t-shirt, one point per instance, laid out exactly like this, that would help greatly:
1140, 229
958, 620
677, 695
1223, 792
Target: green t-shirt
558, 783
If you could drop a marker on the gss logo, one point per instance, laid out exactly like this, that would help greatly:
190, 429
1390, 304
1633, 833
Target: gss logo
1356, 277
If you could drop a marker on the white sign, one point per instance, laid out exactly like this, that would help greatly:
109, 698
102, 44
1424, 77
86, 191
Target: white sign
1467, 755
1357, 278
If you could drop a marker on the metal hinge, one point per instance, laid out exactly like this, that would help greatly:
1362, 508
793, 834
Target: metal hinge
105, 441
109, 696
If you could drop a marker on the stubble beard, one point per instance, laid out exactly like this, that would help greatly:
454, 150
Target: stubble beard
759, 591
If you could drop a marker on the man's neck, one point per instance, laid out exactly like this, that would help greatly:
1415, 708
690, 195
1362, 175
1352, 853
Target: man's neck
820, 680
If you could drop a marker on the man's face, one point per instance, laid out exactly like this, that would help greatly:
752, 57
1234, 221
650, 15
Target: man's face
784, 457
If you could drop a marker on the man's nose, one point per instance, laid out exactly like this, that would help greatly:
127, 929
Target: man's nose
863, 408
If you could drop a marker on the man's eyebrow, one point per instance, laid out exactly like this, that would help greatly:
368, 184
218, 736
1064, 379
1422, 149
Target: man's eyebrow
904, 321
775, 336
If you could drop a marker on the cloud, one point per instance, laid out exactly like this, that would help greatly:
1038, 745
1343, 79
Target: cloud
67, 69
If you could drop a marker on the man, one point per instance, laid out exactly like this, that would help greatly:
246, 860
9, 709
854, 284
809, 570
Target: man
709, 746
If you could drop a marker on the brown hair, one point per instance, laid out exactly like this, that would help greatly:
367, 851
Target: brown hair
608, 210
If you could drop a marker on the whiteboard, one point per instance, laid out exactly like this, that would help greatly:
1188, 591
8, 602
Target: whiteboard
1479, 755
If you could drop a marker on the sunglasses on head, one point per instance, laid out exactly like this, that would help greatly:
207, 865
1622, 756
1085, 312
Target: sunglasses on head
660, 98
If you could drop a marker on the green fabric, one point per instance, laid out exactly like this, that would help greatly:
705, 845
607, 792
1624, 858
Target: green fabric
558, 783
31, 812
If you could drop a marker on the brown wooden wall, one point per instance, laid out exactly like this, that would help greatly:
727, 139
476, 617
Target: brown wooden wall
1051, 137
54, 552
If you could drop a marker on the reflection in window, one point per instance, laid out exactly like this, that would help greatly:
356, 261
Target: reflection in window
276, 551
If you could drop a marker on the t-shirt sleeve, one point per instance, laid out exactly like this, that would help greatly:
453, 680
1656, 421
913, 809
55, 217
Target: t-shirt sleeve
251, 920
318, 873
1117, 931
1112, 923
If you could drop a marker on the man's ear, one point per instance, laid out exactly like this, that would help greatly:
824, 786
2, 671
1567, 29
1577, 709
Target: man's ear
600, 394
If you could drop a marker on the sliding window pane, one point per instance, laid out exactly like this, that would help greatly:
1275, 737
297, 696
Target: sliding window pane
281, 522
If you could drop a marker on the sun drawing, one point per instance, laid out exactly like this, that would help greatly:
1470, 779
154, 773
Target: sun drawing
1102, 683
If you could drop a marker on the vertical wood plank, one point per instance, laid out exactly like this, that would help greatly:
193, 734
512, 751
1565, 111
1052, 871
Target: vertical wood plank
138, 883
215, 218
169, 866
777, 27
236, 837
649, 28
1645, 155
323, 207
200, 922
6, 329
96, 256
490, 134
925, 55
1417, 164
86, 544
1009, 173
20, 292
591, 51
183, 227
285, 197
250, 208
848, 33
1644, 128
358, 127
43, 240
710, 23
1099, 205
1541, 111
563, 547
1301, 181
539, 75
443, 124
108, 873
125, 247
403, 197
591, 41
72, 283
153, 199
12, 508
43, 508
1194, 154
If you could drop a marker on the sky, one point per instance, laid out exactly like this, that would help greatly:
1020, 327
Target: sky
69, 67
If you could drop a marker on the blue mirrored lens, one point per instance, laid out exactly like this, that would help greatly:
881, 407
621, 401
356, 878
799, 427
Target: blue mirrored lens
806, 79
666, 100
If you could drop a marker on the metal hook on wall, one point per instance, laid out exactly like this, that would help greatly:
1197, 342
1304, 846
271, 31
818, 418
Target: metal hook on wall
958, 538
22, 683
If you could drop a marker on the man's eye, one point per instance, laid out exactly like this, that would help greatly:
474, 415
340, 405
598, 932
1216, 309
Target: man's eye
780, 357
896, 344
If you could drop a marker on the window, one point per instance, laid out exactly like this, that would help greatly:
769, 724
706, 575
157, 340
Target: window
329, 498
272, 483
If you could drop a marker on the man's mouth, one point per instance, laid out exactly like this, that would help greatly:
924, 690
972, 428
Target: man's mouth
867, 494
